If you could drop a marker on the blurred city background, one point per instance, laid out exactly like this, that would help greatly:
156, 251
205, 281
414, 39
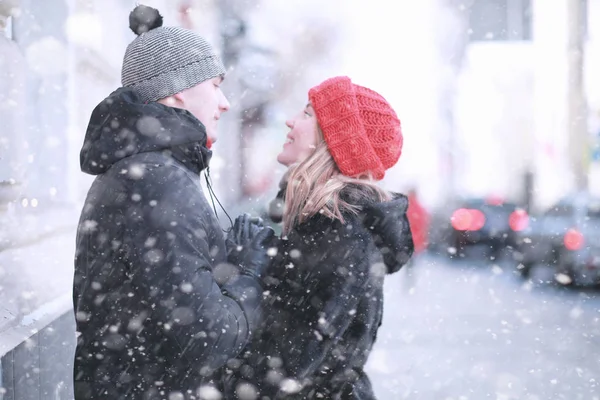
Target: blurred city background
500, 108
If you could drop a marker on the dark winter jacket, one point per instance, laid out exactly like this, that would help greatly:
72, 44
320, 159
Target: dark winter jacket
150, 316
324, 305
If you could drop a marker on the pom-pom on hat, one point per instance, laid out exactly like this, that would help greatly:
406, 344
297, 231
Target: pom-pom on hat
163, 61
144, 18
361, 129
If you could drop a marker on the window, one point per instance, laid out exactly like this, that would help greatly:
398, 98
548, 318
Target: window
584, 18
499, 20
8, 29
593, 209
504, 20
561, 210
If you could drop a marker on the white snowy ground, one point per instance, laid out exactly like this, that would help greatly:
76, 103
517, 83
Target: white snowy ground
469, 330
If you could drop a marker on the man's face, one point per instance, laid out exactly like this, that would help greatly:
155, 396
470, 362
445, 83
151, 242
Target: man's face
206, 102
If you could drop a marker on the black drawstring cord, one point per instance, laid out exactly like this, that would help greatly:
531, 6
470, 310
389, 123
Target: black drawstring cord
213, 196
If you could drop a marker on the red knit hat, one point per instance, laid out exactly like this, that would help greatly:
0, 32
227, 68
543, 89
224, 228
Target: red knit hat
360, 127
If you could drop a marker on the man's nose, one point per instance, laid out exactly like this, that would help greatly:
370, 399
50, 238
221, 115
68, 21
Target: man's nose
224, 104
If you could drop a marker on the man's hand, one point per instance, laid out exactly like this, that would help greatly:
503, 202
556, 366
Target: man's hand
245, 228
247, 244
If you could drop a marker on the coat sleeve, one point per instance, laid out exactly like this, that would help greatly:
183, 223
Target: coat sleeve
343, 290
170, 262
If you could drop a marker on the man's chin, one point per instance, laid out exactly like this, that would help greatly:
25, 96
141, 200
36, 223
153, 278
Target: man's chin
210, 141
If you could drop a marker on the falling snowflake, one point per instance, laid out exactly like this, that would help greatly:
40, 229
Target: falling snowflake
209, 393
290, 386
576, 312
318, 336
136, 171
47, 56
246, 391
149, 126
186, 287
563, 279
176, 396
89, 225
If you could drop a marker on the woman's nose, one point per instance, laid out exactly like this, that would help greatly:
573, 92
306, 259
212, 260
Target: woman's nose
289, 123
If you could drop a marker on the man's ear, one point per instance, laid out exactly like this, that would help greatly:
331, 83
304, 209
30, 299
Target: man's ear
179, 99
175, 100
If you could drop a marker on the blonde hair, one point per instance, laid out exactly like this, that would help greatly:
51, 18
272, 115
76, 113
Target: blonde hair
315, 186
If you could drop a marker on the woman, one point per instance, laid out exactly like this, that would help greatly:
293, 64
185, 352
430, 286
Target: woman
341, 235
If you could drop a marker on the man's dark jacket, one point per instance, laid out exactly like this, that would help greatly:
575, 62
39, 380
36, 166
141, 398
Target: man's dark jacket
151, 317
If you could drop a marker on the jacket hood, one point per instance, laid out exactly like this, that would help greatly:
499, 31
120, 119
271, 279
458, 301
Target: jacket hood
390, 229
387, 222
122, 125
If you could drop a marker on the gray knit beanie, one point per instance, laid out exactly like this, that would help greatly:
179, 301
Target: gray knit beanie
163, 61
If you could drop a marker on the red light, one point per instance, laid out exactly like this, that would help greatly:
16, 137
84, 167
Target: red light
518, 220
467, 220
573, 240
477, 220
461, 219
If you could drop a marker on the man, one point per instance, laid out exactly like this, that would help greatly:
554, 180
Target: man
418, 218
152, 319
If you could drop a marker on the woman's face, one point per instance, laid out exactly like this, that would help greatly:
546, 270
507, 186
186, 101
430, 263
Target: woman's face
302, 138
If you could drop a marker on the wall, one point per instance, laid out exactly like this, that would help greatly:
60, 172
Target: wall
41, 368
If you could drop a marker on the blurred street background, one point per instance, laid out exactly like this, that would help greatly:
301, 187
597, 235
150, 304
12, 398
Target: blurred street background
500, 108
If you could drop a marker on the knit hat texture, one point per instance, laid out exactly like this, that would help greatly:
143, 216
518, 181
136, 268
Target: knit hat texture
361, 129
163, 61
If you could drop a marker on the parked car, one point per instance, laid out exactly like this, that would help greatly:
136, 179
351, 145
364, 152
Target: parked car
566, 238
476, 221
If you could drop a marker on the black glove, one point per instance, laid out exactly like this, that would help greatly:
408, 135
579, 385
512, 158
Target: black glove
247, 245
244, 230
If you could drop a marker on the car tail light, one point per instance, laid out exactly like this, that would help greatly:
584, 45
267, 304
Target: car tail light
465, 219
518, 220
477, 220
461, 219
573, 240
